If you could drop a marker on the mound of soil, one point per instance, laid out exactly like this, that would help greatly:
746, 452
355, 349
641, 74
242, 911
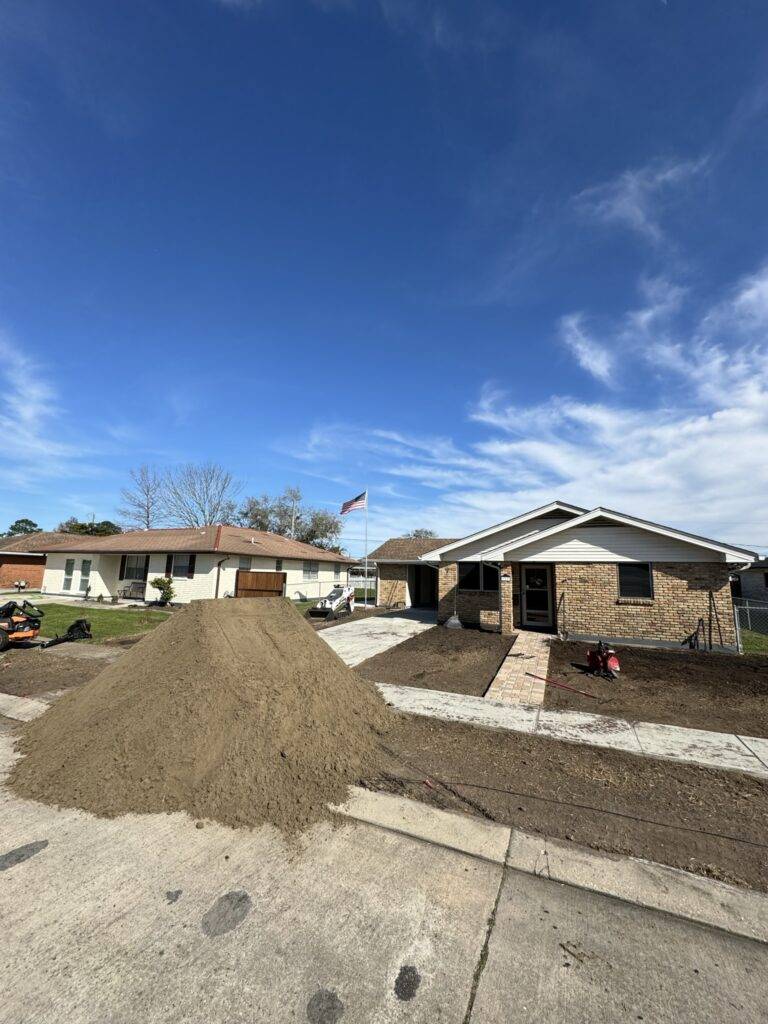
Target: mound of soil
697, 689
456, 660
234, 711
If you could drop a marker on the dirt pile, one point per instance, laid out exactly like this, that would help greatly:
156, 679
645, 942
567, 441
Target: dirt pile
231, 710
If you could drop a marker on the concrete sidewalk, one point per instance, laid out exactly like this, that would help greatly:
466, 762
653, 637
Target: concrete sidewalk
669, 742
403, 913
354, 642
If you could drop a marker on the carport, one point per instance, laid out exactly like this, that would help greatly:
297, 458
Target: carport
422, 586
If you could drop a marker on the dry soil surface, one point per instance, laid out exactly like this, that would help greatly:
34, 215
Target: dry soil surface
721, 692
28, 672
713, 823
457, 660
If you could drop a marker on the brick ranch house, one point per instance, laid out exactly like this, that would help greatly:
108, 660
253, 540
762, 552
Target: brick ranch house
23, 557
204, 562
561, 568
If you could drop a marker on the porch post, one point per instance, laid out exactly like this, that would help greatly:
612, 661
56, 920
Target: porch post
447, 575
506, 599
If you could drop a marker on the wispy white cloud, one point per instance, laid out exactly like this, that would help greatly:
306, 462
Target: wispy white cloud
591, 355
635, 199
687, 451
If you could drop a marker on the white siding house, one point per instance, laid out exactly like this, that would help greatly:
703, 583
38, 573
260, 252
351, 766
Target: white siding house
201, 563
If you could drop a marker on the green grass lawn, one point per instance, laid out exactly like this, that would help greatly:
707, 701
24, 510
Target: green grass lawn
104, 625
754, 643
303, 606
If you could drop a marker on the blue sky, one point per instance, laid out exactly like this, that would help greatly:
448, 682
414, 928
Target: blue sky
472, 256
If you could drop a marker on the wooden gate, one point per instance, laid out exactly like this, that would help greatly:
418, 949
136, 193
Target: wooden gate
259, 584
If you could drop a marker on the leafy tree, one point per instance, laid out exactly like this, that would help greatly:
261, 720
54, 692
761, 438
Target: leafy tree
21, 527
103, 528
420, 534
284, 514
144, 499
200, 495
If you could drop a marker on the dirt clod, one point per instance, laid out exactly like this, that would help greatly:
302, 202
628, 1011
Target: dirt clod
196, 717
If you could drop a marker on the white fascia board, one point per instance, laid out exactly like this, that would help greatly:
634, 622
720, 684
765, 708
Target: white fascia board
436, 554
731, 553
27, 554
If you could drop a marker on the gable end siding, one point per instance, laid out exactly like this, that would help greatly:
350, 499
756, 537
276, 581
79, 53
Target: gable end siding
612, 544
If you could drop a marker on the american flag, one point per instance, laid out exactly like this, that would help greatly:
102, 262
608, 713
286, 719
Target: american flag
361, 501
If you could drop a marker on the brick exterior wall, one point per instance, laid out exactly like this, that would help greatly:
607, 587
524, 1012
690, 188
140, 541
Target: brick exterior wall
480, 607
21, 567
393, 584
680, 598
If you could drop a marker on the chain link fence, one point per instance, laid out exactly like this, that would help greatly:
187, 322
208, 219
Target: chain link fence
751, 624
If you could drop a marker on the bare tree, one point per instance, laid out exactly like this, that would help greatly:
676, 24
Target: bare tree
143, 502
200, 495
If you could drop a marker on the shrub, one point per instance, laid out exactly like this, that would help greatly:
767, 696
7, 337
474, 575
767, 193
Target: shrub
165, 586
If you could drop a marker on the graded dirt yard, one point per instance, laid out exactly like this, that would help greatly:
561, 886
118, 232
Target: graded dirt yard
456, 660
709, 822
720, 692
28, 672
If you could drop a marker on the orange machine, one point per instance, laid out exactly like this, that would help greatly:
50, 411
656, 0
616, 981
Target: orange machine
18, 622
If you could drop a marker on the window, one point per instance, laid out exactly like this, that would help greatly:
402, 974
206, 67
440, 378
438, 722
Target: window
134, 568
278, 565
310, 570
478, 576
69, 569
490, 577
183, 565
244, 563
180, 565
85, 572
337, 570
635, 579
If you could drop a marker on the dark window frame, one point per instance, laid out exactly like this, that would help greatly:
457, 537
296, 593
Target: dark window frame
650, 596
481, 588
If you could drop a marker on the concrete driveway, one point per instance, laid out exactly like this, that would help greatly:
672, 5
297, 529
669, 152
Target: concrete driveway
402, 914
354, 642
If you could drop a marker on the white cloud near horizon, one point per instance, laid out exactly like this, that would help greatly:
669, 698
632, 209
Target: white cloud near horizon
688, 450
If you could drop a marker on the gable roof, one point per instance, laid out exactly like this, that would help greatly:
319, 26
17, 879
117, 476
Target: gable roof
227, 540
405, 549
536, 513
729, 550
34, 543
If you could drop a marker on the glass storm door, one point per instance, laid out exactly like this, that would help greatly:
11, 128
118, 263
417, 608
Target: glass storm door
537, 601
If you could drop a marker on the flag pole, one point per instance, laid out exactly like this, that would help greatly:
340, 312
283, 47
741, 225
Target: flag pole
366, 547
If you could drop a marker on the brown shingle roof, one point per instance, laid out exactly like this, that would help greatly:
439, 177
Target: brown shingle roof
406, 548
229, 540
36, 543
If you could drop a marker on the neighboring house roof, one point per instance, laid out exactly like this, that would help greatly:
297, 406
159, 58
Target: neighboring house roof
33, 543
761, 563
441, 548
227, 540
606, 514
405, 549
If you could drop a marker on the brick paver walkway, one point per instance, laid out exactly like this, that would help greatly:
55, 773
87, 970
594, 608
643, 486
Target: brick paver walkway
529, 653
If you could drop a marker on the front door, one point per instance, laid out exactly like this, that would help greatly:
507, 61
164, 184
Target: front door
537, 596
